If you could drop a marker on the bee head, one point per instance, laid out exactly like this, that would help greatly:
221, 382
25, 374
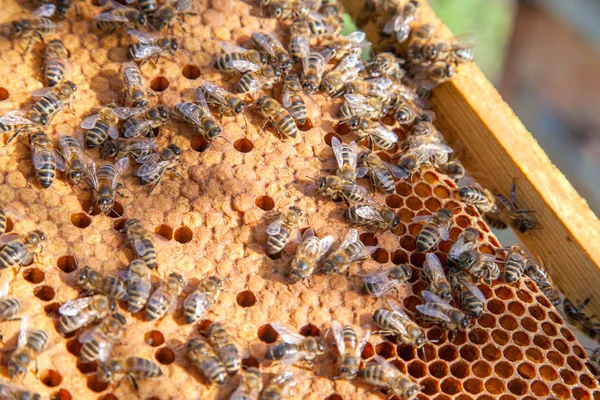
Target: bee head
174, 45
17, 28
109, 149
104, 373
14, 368
262, 101
465, 323
309, 87
213, 129
163, 112
76, 174
177, 277
444, 214
395, 223
276, 11
295, 276
120, 319
141, 18
140, 103
82, 276
329, 267
175, 149
105, 202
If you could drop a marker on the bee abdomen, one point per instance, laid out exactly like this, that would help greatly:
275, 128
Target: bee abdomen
246, 81
37, 340
472, 195
67, 324
428, 238
156, 308
89, 351
234, 362
299, 109
277, 242
214, 370
140, 367
9, 257
9, 307
513, 271
47, 172
281, 350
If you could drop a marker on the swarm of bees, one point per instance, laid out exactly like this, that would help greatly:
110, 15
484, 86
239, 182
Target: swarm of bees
318, 59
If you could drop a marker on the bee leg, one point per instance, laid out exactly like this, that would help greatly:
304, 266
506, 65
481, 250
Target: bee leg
77, 13
135, 385
28, 45
173, 170
181, 24
13, 137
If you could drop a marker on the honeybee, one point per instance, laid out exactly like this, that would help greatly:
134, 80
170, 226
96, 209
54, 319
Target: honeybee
300, 42
43, 158
350, 347
514, 265
109, 21
141, 122
135, 92
313, 71
436, 228
282, 230
154, 165
294, 347
466, 241
255, 78
75, 314
406, 112
377, 284
479, 265
250, 385
222, 340
56, 59
139, 238
376, 133
471, 298
382, 173
172, 9
99, 341
309, 252
346, 156
206, 360
148, 7
480, 198
234, 54
385, 375
456, 51
373, 87
94, 281
292, 99
150, 46
136, 147
349, 45
12, 392
53, 99
399, 24
542, 279
15, 122
273, 47
133, 367
38, 25
138, 285
507, 211
226, 102
18, 250
100, 126
351, 250
30, 343
455, 170
428, 148
9, 307
594, 360
71, 159
279, 387
164, 298
438, 311
397, 322
346, 71
434, 274
386, 65
199, 117
576, 317
338, 188
105, 183
377, 217
357, 105
197, 303
281, 119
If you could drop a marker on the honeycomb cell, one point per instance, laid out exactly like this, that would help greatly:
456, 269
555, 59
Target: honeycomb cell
417, 259
451, 386
430, 177
400, 366
478, 336
543, 301
587, 381
568, 377
500, 337
537, 312
3, 94
524, 296
243, 145
341, 128
411, 303
504, 369
250, 362
87, 368
44, 293
33, 275
422, 190
487, 321
406, 352
199, 144
460, 369
539, 388
521, 338
165, 356
534, 355
427, 352
66, 264
433, 204
526, 370
567, 334
405, 215
386, 350
191, 71
183, 235
381, 256
542, 342
556, 358
51, 378
306, 126
580, 394
369, 239
574, 363
74, 347
438, 369
494, 386
459, 338
368, 351
430, 386
473, 386
504, 293
549, 329
89, 208
417, 369
441, 193
561, 391
482, 369
516, 308
518, 386
554, 317
159, 84
579, 351
330, 136
267, 334
496, 307
469, 353
463, 397
548, 373
62, 394
96, 385
393, 201
513, 353
463, 221
165, 231
111, 396
154, 338
508, 322
562, 346
403, 189
81, 220
246, 299
334, 396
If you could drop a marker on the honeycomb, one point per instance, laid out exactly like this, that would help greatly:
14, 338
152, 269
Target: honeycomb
214, 221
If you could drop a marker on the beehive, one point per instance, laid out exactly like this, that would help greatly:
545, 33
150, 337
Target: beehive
214, 223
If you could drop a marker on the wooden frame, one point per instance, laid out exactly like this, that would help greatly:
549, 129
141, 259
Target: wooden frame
471, 114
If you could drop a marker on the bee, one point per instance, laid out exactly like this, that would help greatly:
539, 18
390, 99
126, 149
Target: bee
507, 211
466, 241
136, 147
346, 156
542, 279
226, 102
109, 21
399, 24
374, 87
310, 251
18, 250
350, 347
434, 274
154, 165
222, 340
357, 105
141, 121
197, 303
255, 78
337, 187
135, 92
53, 99
427, 77
454, 169
292, 99
480, 198
199, 116
345, 46
436, 228
375, 132
234, 54
594, 360
148, 7
105, 183
282, 230
438, 311
138, 285
273, 47
429, 149
164, 298
382, 173
576, 317
386, 65
12, 392
56, 58
100, 126
456, 51
379, 283
294, 347
71, 159
471, 298
30, 343
99, 341
39, 24
250, 385
406, 112
172, 9
300, 41
479, 265
385, 375
133, 367
15, 122
281, 119
9, 307
63, 6
514, 265
378, 217
206, 360
75, 314
397, 322
351, 250
43, 158
150, 46
279, 387
94, 281
314, 69
346, 71
139, 238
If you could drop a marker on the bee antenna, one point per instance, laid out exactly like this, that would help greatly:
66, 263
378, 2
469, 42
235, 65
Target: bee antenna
310, 177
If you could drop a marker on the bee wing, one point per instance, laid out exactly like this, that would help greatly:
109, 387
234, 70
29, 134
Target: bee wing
358, 101
396, 171
287, 335
293, 358
200, 301
113, 132
369, 213
4, 290
459, 247
231, 48
262, 40
89, 122
213, 91
46, 11
356, 36
337, 148
154, 157
136, 129
422, 218
60, 161
381, 82
381, 280
348, 62
275, 226
90, 171
366, 252
127, 112
151, 167
143, 37
42, 92
141, 143
16, 117
304, 49
338, 334
242, 65
434, 268
147, 51
73, 307
23, 331
351, 237
91, 334
109, 16
325, 244
8, 238
354, 187
121, 166
472, 288
38, 158
187, 109
444, 232
361, 171
384, 133
201, 100
363, 340
286, 98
